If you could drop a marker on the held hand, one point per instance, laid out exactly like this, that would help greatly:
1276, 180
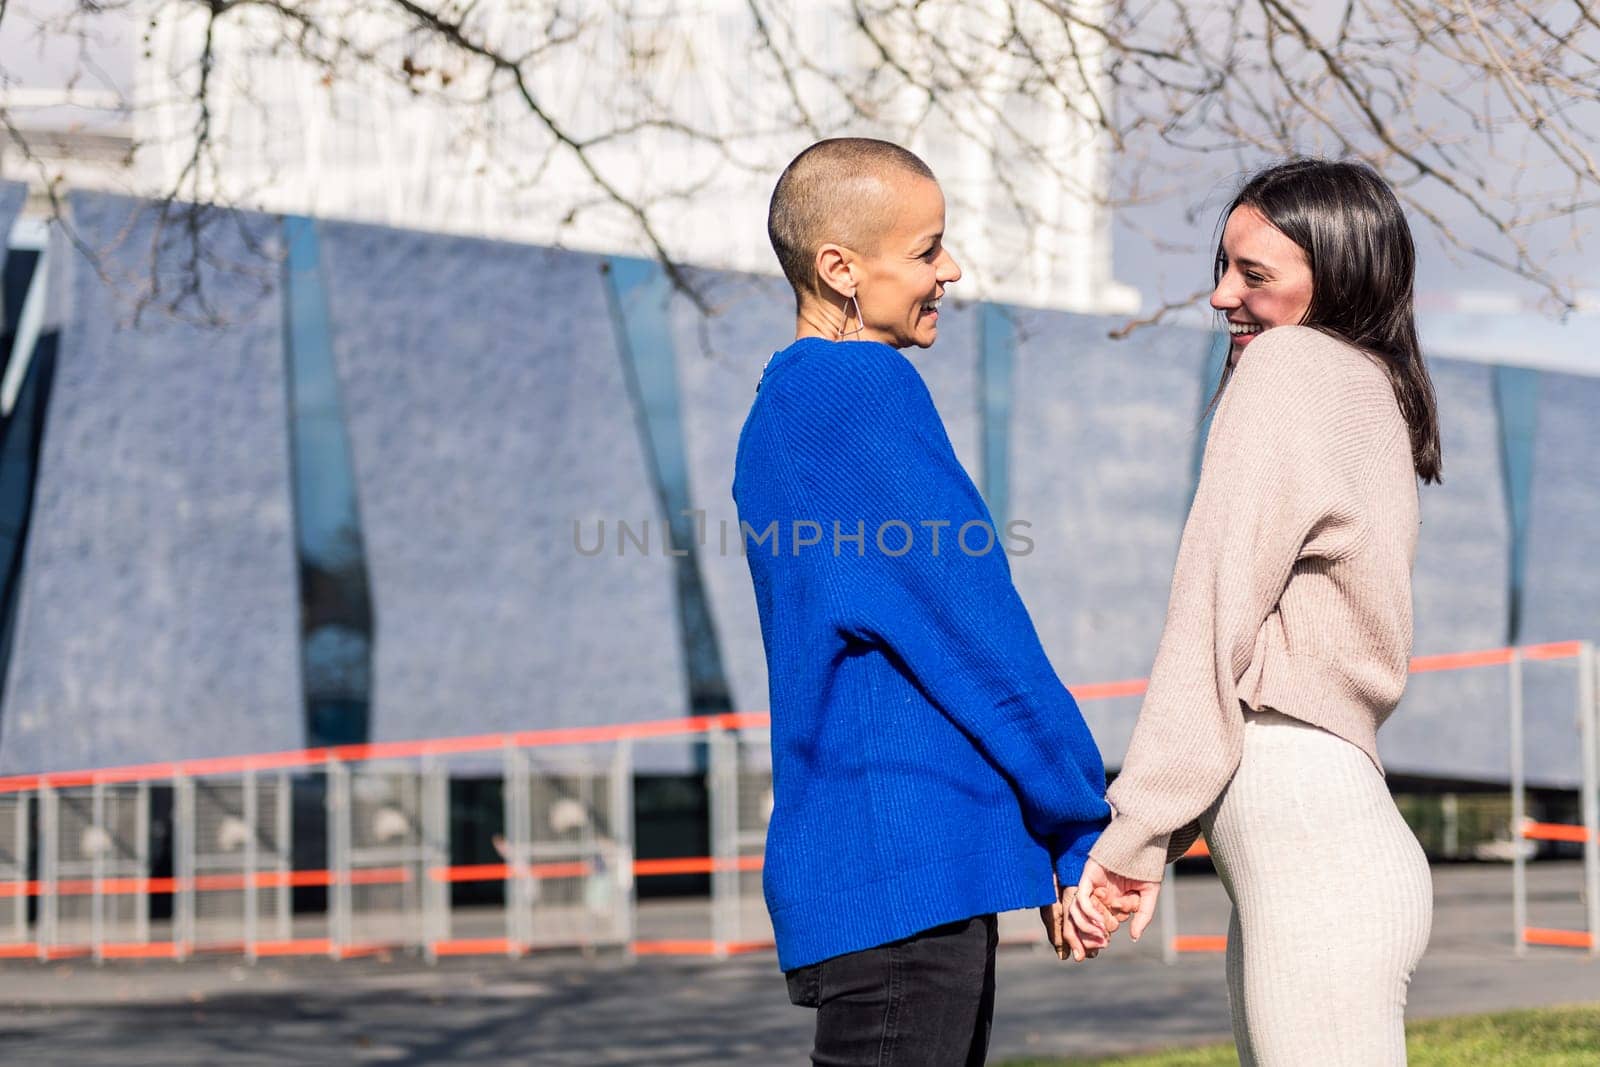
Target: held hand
1065, 937
1124, 898
1053, 915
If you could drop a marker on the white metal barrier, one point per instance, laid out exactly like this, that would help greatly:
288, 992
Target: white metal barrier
1587, 831
568, 819
1576, 660
741, 805
95, 859
15, 845
233, 862
378, 855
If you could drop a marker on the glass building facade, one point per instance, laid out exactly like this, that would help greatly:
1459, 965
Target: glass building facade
348, 512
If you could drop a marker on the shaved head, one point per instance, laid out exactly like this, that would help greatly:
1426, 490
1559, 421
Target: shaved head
840, 191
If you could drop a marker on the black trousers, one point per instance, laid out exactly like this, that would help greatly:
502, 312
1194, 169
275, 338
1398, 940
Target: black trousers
927, 1001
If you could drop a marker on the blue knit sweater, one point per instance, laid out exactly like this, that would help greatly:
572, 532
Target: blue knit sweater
928, 765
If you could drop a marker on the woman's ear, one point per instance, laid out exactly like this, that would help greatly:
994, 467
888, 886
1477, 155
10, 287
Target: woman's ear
834, 270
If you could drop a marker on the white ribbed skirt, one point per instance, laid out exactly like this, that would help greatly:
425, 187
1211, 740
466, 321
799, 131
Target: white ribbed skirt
1332, 900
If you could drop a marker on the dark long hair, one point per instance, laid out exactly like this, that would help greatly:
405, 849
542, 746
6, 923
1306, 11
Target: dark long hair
1363, 263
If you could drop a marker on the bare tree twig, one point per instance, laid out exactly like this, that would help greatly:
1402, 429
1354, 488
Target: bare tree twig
1159, 315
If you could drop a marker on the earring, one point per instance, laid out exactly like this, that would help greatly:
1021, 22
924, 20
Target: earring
860, 323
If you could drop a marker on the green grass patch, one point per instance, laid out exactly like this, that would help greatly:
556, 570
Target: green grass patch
1551, 1037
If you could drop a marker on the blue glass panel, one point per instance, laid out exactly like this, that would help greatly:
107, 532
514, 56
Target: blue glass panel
1516, 398
19, 465
336, 617
641, 296
17, 274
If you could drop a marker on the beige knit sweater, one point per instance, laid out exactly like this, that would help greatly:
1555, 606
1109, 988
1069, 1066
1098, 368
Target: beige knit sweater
1292, 590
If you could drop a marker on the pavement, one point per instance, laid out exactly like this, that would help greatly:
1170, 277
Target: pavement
563, 1009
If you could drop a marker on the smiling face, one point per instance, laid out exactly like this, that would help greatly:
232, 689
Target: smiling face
1263, 279
899, 282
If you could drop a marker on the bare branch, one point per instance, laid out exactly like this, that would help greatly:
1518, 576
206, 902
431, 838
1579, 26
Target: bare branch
1159, 315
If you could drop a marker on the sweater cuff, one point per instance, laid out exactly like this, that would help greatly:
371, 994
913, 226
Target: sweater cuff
1133, 850
1069, 862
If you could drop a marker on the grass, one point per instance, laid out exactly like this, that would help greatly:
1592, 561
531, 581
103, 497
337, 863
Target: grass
1550, 1037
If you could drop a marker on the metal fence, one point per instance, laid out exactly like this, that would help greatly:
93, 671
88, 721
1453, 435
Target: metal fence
1572, 665
347, 851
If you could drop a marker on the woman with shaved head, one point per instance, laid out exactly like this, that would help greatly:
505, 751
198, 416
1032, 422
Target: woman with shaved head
929, 769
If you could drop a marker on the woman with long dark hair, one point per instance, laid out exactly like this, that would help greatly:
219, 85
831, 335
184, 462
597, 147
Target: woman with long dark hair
1288, 634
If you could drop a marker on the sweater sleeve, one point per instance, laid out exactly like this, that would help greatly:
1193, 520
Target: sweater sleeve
1277, 484
870, 454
